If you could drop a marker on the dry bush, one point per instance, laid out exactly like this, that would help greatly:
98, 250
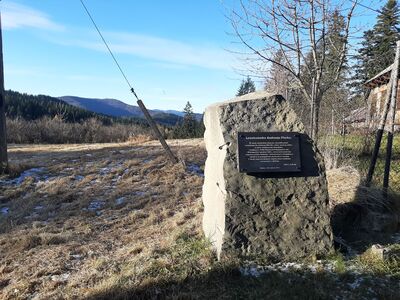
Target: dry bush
57, 131
139, 138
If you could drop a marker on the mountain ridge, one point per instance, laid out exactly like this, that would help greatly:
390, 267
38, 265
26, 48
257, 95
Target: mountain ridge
117, 108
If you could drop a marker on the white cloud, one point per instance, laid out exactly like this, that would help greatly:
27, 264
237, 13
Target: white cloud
168, 53
18, 16
171, 51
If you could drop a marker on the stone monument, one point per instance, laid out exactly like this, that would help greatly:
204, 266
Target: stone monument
265, 191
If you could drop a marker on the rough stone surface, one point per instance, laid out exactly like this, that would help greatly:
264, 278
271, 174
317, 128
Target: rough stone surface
279, 217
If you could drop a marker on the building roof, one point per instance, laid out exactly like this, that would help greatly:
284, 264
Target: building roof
357, 115
379, 79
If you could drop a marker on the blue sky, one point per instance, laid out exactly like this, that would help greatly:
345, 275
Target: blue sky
172, 51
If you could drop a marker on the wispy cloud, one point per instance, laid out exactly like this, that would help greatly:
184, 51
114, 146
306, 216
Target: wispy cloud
15, 15
171, 51
168, 52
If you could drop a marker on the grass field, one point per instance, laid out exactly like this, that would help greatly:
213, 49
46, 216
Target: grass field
117, 221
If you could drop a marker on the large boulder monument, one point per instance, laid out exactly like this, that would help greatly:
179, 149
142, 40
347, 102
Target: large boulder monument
265, 192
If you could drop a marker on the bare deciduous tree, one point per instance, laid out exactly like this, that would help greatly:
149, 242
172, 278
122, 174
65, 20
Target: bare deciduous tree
299, 31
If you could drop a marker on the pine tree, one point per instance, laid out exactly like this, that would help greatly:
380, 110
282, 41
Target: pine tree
247, 86
386, 32
378, 46
366, 67
189, 122
189, 128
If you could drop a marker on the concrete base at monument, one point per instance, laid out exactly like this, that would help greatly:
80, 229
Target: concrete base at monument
275, 216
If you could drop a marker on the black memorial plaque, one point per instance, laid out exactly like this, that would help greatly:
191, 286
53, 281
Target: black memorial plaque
264, 152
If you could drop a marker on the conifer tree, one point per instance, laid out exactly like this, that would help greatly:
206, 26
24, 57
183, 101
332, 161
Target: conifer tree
378, 46
189, 127
386, 33
189, 122
247, 86
366, 68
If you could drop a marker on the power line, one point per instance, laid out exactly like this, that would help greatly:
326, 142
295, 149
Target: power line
370, 8
109, 50
147, 115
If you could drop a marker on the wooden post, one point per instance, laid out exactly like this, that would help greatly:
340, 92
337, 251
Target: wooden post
3, 135
392, 120
153, 125
312, 110
381, 128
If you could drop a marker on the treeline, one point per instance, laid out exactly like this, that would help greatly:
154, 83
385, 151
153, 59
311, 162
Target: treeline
55, 130
34, 107
44, 119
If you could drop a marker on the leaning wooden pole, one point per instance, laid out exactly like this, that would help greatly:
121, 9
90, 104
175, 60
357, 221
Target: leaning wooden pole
381, 128
157, 132
139, 102
393, 102
3, 133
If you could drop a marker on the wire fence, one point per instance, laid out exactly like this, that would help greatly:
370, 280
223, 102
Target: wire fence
355, 149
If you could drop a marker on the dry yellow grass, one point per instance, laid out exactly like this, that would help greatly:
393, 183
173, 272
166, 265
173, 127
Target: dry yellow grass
343, 184
105, 220
92, 215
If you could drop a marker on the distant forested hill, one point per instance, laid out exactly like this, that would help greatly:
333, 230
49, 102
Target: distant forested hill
32, 107
117, 108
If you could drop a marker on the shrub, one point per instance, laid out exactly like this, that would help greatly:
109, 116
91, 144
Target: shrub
57, 131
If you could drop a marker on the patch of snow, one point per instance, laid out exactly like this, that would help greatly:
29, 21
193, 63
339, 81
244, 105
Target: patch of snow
356, 283
120, 200
256, 271
312, 268
139, 193
117, 179
34, 172
38, 207
68, 169
283, 267
89, 155
105, 171
119, 164
62, 278
79, 177
195, 169
32, 216
4, 210
251, 271
95, 205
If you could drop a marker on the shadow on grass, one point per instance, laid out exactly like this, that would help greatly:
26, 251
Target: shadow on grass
228, 283
370, 219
